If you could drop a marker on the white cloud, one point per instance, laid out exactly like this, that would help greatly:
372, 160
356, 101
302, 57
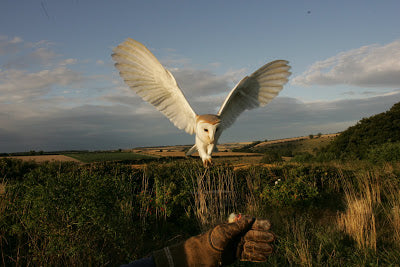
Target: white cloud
32, 71
68, 61
16, 40
41, 56
20, 85
367, 66
9, 46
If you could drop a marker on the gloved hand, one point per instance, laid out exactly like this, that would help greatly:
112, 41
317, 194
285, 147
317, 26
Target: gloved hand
245, 239
255, 244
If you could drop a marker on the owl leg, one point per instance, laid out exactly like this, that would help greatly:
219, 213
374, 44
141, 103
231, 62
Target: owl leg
205, 157
207, 162
210, 149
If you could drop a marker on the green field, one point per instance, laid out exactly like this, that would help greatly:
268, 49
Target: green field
89, 157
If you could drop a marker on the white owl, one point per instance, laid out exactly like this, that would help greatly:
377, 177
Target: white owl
143, 73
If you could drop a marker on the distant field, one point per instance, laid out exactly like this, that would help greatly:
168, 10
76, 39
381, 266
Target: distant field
251, 154
89, 157
44, 158
296, 145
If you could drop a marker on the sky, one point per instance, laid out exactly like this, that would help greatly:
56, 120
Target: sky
59, 89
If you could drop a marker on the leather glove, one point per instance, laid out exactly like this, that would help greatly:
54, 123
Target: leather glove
255, 244
221, 245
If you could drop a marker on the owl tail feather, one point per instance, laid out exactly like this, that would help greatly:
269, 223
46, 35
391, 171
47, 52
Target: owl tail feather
191, 151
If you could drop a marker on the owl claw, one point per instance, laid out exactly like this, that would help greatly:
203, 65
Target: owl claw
207, 163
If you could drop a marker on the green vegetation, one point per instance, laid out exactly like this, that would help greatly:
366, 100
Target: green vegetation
246, 148
339, 207
357, 141
387, 152
288, 148
300, 150
109, 213
89, 157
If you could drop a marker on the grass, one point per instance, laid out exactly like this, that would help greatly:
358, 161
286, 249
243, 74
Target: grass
296, 146
89, 157
214, 196
311, 145
330, 214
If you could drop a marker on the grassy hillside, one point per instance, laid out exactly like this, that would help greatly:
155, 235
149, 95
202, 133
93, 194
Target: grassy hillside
290, 148
275, 150
367, 134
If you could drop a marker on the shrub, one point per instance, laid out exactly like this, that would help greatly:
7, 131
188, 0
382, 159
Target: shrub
99, 214
271, 157
303, 157
325, 157
387, 152
290, 190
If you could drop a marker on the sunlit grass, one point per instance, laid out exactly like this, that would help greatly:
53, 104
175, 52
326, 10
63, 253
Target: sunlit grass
89, 157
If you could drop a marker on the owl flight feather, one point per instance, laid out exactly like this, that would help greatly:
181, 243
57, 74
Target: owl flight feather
144, 74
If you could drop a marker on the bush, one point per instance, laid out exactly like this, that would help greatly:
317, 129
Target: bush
271, 157
303, 157
100, 214
325, 156
297, 185
388, 152
15, 170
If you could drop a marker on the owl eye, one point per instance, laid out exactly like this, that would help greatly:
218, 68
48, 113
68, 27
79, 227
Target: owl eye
206, 130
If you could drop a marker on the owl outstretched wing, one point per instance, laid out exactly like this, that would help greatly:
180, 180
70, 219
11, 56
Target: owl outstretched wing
254, 91
145, 75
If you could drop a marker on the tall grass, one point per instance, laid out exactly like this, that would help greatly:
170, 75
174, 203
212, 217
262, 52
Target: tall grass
393, 212
215, 195
362, 200
109, 214
359, 221
300, 252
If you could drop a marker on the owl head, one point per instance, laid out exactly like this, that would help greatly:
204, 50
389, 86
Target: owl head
207, 128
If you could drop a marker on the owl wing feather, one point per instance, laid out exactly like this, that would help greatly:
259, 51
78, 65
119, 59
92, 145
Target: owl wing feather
254, 91
145, 75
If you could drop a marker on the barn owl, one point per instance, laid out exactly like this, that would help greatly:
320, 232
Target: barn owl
145, 75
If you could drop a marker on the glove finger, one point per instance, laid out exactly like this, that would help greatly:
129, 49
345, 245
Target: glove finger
254, 257
261, 224
256, 252
223, 233
255, 235
235, 228
263, 248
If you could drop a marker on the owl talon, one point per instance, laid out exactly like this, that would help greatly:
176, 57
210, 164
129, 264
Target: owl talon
207, 163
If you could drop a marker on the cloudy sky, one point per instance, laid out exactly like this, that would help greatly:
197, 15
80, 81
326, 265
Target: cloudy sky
59, 89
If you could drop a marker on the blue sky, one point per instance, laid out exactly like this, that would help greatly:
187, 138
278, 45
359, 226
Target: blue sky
59, 89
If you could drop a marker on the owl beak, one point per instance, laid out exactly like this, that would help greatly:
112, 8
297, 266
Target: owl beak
211, 140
